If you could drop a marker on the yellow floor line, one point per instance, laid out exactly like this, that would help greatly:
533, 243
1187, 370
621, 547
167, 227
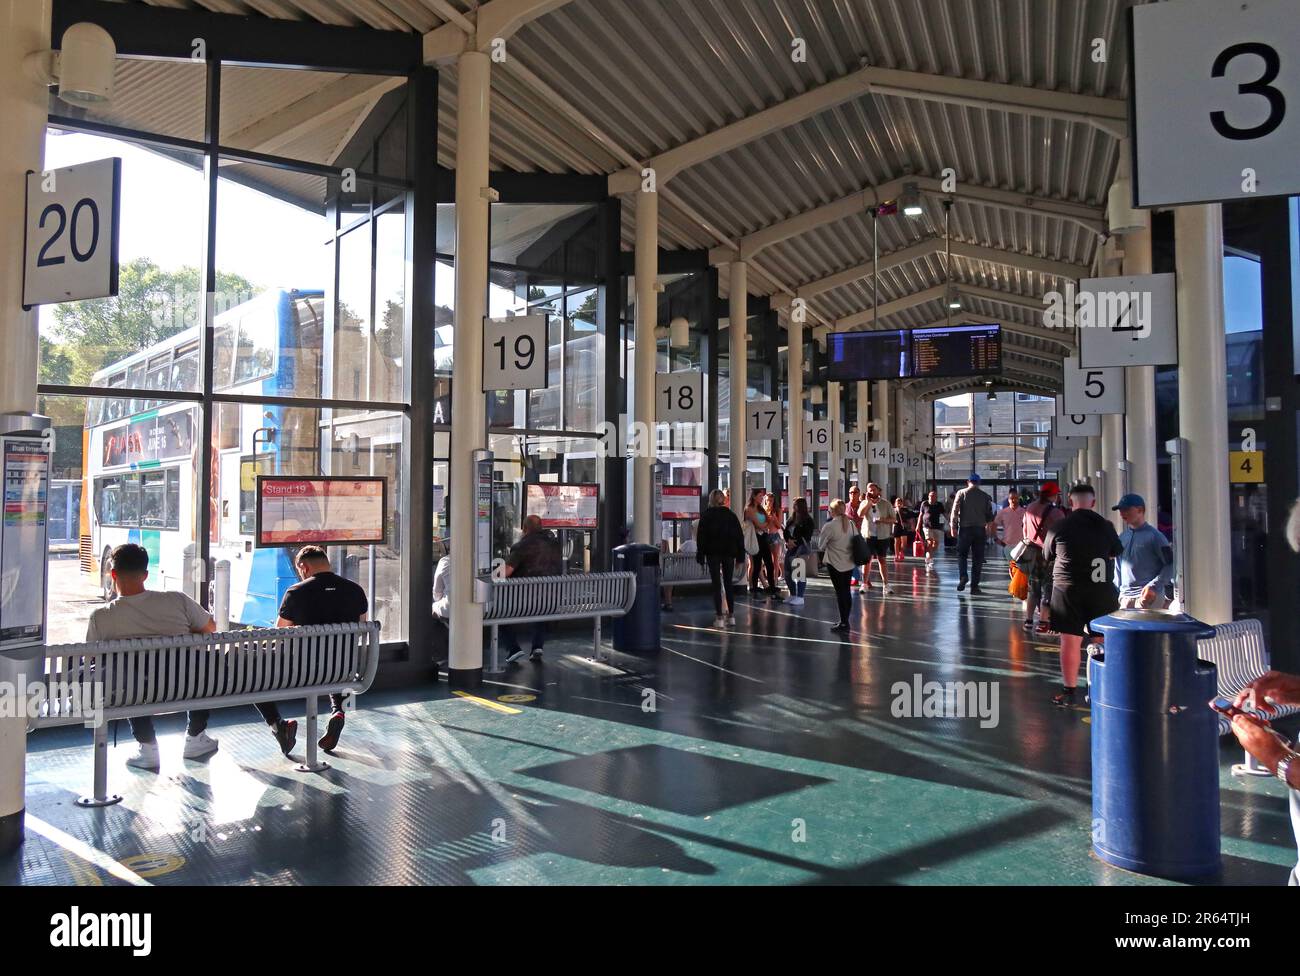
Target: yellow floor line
84, 851
485, 703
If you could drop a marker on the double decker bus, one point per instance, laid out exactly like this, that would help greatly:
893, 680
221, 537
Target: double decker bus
142, 461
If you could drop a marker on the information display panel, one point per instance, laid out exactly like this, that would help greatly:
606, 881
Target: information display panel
852, 356
294, 511
681, 503
563, 506
959, 350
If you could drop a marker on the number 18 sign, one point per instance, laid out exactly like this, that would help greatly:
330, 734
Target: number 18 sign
514, 353
72, 232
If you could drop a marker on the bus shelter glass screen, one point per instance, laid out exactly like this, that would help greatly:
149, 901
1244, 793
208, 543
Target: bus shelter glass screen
325, 511
855, 356
961, 350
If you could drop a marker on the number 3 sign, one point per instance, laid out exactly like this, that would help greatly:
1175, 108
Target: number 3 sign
72, 231
514, 353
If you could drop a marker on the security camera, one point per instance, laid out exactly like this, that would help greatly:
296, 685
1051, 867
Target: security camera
82, 68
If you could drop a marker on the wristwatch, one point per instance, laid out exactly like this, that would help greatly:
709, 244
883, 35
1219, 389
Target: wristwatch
1284, 766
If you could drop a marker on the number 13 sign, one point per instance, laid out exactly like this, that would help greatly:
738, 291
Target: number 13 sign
514, 353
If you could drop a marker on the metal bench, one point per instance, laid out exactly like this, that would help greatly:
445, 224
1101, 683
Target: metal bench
1237, 650
158, 675
683, 569
589, 596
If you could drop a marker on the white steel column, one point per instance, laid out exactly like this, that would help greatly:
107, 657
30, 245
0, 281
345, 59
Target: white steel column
1203, 411
835, 466
794, 387
24, 29
1140, 393
860, 469
468, 406
1092, 460
643, 362
880, 472
738, 378
1112, 451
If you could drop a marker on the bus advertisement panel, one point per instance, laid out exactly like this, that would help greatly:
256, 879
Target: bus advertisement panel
295, 511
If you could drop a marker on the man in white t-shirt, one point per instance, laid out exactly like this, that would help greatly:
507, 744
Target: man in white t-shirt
138, 612
877, 527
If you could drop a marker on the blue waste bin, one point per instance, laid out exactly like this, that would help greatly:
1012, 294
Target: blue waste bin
637, 631
1155, 748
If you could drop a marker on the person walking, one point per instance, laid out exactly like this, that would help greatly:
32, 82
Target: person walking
933, 517
851, 513
138, 612
1039, 517
1009, 523
835, 542
1146, 566
904, 528
719, 542
799, 531
972, 519
1083, 548
878, 521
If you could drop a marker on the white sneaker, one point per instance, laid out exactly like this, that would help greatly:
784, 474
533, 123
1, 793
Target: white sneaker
719, 622
197, 746
731, 620
888, 589
795, 601
146, 757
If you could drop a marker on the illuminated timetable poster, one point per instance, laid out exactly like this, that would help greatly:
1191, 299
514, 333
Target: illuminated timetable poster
961, 350
26, 463
325, 511
563, 506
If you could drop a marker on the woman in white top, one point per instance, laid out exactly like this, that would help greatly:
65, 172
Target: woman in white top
836, 544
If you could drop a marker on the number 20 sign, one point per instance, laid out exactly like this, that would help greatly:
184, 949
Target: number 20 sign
514, 353
72, 233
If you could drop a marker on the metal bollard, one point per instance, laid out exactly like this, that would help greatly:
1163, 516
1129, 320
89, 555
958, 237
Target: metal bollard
221, 595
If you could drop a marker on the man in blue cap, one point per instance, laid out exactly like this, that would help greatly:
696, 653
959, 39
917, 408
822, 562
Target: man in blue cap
1146, 567
972, 515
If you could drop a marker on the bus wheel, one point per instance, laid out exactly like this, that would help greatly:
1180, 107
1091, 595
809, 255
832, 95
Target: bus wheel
107, 589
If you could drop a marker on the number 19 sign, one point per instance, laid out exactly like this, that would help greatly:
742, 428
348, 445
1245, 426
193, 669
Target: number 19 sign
514, 353
72, 232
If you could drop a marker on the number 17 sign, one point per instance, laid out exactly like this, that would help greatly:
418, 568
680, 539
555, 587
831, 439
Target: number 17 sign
514, 353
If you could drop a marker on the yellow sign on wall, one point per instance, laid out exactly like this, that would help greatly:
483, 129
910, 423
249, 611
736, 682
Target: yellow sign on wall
1246, 467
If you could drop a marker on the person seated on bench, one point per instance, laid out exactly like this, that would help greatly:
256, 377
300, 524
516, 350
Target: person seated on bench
138, 612
442, 588
536, 554
321, 598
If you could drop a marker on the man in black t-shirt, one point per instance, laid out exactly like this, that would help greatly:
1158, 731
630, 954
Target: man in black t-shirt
933, 515
321, 598
1084, 546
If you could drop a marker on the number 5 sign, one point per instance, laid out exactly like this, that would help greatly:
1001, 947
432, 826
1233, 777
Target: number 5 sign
1216, 100
679, 397
72, 231
1091, 391
514, 353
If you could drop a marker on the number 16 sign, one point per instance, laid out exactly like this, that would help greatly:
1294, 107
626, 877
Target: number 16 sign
514, 353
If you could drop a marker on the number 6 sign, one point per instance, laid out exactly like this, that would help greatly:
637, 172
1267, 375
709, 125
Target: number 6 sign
514, 353
72, 232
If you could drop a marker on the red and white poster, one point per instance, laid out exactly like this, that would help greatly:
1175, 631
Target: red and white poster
563, 506
681, 502
335, 511
785, 501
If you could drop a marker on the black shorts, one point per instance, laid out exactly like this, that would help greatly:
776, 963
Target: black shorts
1074, 608
880, 547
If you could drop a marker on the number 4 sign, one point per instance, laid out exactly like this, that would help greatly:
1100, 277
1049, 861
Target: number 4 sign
72, 232
514, 353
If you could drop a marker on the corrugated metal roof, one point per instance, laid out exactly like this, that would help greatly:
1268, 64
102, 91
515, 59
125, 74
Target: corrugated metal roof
654, 74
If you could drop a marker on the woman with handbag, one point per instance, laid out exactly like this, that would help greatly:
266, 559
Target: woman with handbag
836, 543
1039, 517
760, 558
799, 532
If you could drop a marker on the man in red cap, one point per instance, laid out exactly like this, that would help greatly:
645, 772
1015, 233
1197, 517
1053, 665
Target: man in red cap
1040, 515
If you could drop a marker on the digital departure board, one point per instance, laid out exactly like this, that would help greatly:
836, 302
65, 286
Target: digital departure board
959, 350
866, 355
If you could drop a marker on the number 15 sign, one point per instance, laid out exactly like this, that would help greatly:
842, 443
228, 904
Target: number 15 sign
514, 353
72, 231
